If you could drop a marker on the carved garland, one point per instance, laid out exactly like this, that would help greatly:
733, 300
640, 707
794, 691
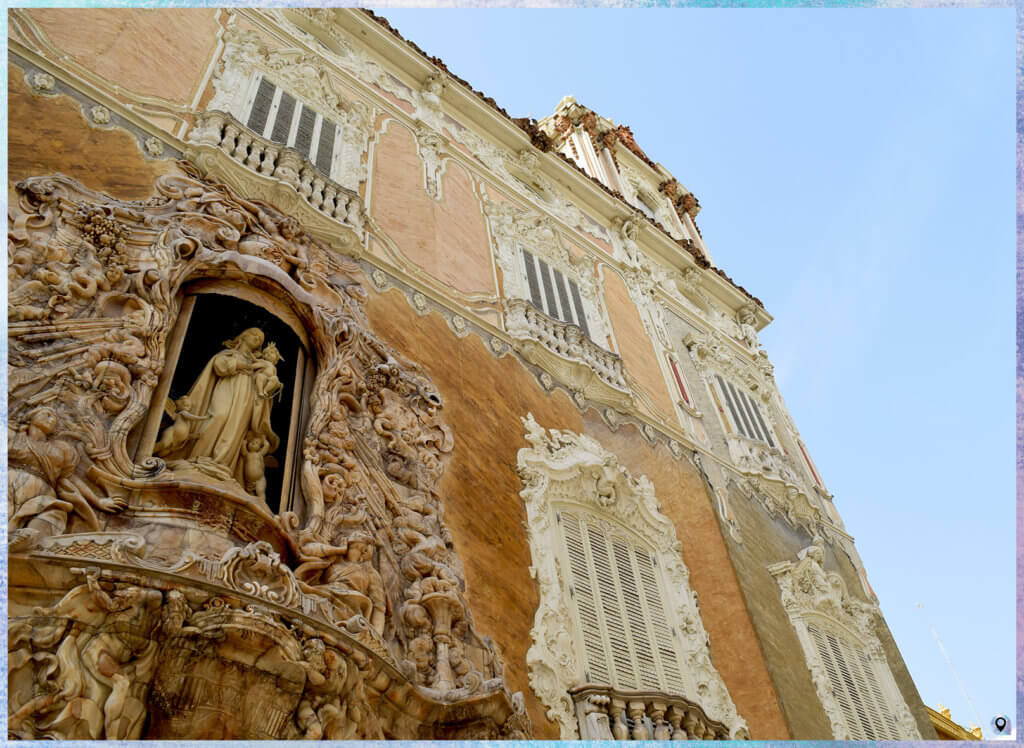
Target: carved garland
813, 596
557, 470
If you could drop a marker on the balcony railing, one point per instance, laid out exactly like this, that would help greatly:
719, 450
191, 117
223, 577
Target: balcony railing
755, 457
606, 714
564, 350
224, 133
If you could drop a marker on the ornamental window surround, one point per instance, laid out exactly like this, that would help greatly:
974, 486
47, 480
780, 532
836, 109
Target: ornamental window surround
616, 610
273, 113
537, 268
845, 658
740, 412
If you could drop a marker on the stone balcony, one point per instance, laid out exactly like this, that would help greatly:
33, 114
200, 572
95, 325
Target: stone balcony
606, 714
563, 350
757, 458
278, 174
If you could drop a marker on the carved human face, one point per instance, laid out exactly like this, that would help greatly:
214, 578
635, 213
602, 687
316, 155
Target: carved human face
252, 338
45, 420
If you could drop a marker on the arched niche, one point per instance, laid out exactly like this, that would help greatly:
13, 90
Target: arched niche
212, 314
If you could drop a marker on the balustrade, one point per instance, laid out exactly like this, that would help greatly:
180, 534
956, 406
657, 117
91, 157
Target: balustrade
287, 165
523, 320
606, 714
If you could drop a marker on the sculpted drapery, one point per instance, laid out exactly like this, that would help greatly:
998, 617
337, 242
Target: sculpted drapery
228, 410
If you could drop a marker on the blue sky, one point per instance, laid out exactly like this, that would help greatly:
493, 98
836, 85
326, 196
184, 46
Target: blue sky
856, 172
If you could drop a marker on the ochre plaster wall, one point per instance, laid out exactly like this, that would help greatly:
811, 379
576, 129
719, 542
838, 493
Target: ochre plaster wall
49, 134
635, 346
485, 398
448, 240
161, 52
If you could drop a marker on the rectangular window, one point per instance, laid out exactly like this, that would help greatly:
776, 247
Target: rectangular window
855, 686
553, 293
278, 116
744, 413
679, 380
628, 641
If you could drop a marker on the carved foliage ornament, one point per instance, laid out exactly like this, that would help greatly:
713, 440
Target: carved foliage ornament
95, 287
562, 470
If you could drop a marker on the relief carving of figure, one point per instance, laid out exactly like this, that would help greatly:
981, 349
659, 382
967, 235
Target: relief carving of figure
97, 686
350, 580
42, 488
230, 412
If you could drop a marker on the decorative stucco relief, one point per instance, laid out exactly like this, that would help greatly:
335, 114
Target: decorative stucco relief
561, 469
304, 76
359, 588
813, 596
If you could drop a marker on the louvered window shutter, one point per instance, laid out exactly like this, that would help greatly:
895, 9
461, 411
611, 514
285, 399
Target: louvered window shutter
281, 118
304, 133
581, 317
595, 662
627, 638
553, 293
261, 106
855, 687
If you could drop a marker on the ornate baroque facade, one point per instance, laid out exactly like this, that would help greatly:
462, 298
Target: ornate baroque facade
342, 405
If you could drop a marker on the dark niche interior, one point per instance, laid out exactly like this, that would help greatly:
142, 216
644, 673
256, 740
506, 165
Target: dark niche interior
217, 318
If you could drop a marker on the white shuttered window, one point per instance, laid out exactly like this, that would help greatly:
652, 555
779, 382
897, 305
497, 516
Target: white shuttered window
743, 413
553, 293
276, 115
856, 686
619, 603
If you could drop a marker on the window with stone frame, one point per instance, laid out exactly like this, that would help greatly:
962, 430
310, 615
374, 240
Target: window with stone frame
740, 411
856, 683
552, 292
616, 610
844, 655
275, 114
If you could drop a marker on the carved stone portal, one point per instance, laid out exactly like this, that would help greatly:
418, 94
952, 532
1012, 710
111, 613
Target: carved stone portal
203, 614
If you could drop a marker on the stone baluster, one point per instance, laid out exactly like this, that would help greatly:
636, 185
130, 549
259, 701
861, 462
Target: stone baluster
255, 155
316, 199
328, 205
620, 730
270, 156
241, 150
690, 724
637, 710
656, 711
675, 718
340, 206
306, 180
352, 214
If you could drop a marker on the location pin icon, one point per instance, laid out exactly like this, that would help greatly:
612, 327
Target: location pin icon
1001, 724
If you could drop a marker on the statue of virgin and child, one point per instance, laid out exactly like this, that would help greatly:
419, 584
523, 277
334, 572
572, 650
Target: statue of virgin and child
221, 427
